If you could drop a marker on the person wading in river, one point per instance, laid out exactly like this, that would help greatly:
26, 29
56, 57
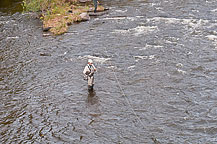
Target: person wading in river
89, 74
95, 5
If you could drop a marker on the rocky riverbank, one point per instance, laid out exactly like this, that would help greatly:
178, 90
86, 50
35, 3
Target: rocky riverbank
58, 15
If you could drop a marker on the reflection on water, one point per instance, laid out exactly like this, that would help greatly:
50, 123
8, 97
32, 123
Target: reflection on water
92, 98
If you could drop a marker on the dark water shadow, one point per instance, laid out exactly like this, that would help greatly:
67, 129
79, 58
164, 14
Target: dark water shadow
92, 99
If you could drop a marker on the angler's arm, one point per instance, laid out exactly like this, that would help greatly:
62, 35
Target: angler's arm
94, 67
86, 70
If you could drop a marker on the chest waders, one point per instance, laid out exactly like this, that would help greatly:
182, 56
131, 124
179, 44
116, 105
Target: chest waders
90, 78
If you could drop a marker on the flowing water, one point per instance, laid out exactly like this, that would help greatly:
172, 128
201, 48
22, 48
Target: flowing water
156, 80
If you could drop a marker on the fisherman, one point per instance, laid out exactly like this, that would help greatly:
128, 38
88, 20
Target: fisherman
95, 5
89, 73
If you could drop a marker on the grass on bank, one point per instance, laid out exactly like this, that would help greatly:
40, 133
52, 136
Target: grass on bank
58, 14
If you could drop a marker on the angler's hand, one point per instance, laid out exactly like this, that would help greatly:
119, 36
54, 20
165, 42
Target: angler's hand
91, 74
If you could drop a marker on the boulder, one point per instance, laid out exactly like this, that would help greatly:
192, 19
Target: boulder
84, 16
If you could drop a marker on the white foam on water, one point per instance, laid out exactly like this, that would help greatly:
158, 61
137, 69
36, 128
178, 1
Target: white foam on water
141, 57
213, 25
213, 38
179, 65
151, 57
208, 1
112, 67
170, 42
120, 31
166, 20
198, 23
143, 29
137, 58
139, 16
131, 67
181, 71
132, 18
2, 22
214, 10
189, 53
114, 18
95, 59
121, 11
147, 46
122, 18
197, 11
159, 8
191, 22
158, 46
154, 4
6, 22
137, 30
16, 37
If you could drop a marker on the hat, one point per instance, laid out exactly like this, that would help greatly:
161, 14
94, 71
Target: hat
90, 61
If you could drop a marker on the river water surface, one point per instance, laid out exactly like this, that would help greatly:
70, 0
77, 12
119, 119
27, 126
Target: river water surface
156, 80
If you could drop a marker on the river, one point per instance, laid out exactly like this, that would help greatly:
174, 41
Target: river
156, 79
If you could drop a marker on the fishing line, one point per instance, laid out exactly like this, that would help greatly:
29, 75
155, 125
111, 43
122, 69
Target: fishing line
122, 91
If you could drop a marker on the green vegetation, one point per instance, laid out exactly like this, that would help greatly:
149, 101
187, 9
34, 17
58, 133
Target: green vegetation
58, 14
